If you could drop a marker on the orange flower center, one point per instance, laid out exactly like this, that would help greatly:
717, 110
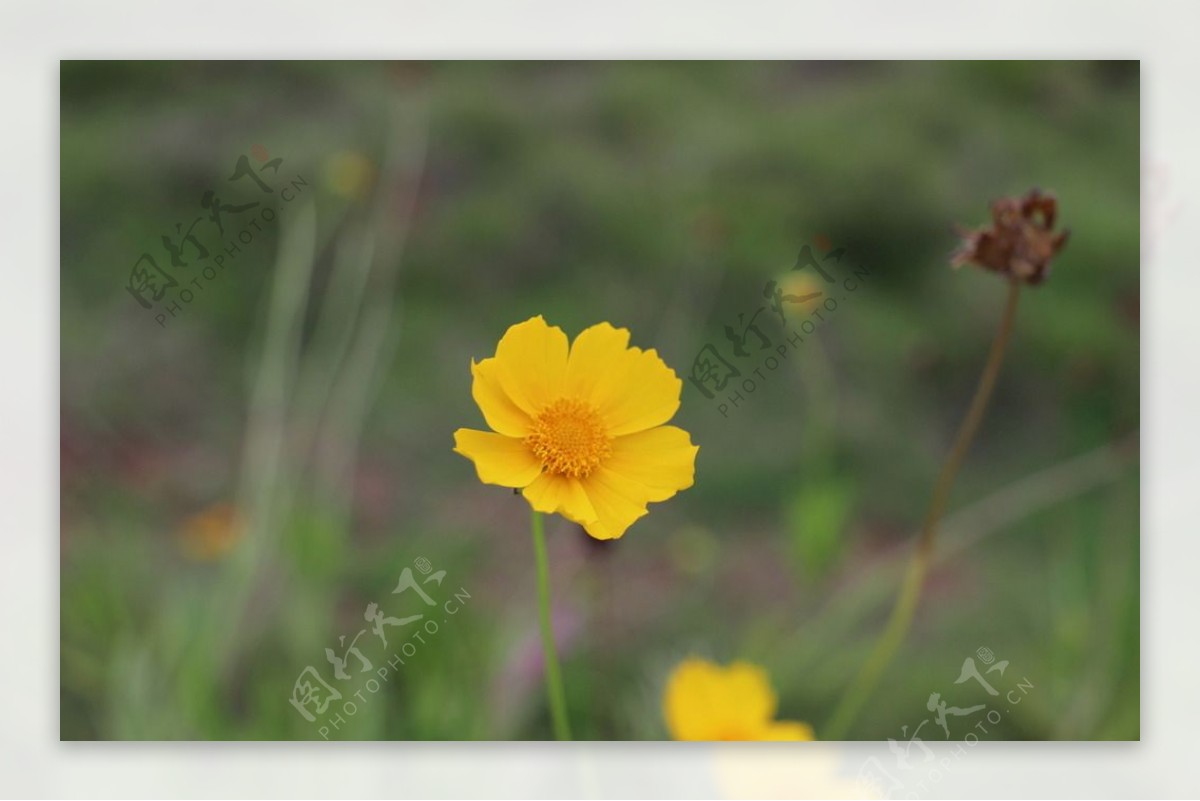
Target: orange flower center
570, 438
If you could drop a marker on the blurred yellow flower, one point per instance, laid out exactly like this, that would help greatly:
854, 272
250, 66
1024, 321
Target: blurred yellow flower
349, 174
705, 701
212, 533
803, 287
580, 430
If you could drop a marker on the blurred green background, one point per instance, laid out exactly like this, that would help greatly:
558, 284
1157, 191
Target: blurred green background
238, 484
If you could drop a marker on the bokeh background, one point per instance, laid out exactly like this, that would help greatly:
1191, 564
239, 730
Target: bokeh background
239, 483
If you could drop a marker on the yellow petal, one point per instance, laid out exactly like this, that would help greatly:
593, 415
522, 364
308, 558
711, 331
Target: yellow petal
704, 701
531, 364
788, 730
554, 494
597, 352
498, 459
498, 409
618, 502
663, 460
651, 395
633, 389
685, 701
751, 687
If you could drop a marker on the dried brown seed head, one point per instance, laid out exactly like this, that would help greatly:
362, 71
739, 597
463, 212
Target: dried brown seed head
1020, 242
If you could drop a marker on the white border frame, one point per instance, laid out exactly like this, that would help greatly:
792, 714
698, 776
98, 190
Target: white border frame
34, 37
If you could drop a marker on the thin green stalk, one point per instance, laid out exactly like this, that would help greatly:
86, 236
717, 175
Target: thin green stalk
910, 591
554, 685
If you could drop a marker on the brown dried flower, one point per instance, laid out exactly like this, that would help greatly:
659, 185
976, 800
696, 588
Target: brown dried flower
1020, 241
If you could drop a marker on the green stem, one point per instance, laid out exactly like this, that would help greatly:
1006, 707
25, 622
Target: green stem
910, 591
554, 685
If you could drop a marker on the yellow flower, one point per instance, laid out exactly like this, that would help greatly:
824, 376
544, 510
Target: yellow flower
801, 285
212, 533
705, 701
579, 431
349, 174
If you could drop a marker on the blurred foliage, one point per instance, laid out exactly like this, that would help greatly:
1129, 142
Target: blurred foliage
660, 197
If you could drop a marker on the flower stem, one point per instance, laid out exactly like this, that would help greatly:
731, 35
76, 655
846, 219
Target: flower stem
910, 591
554, 685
